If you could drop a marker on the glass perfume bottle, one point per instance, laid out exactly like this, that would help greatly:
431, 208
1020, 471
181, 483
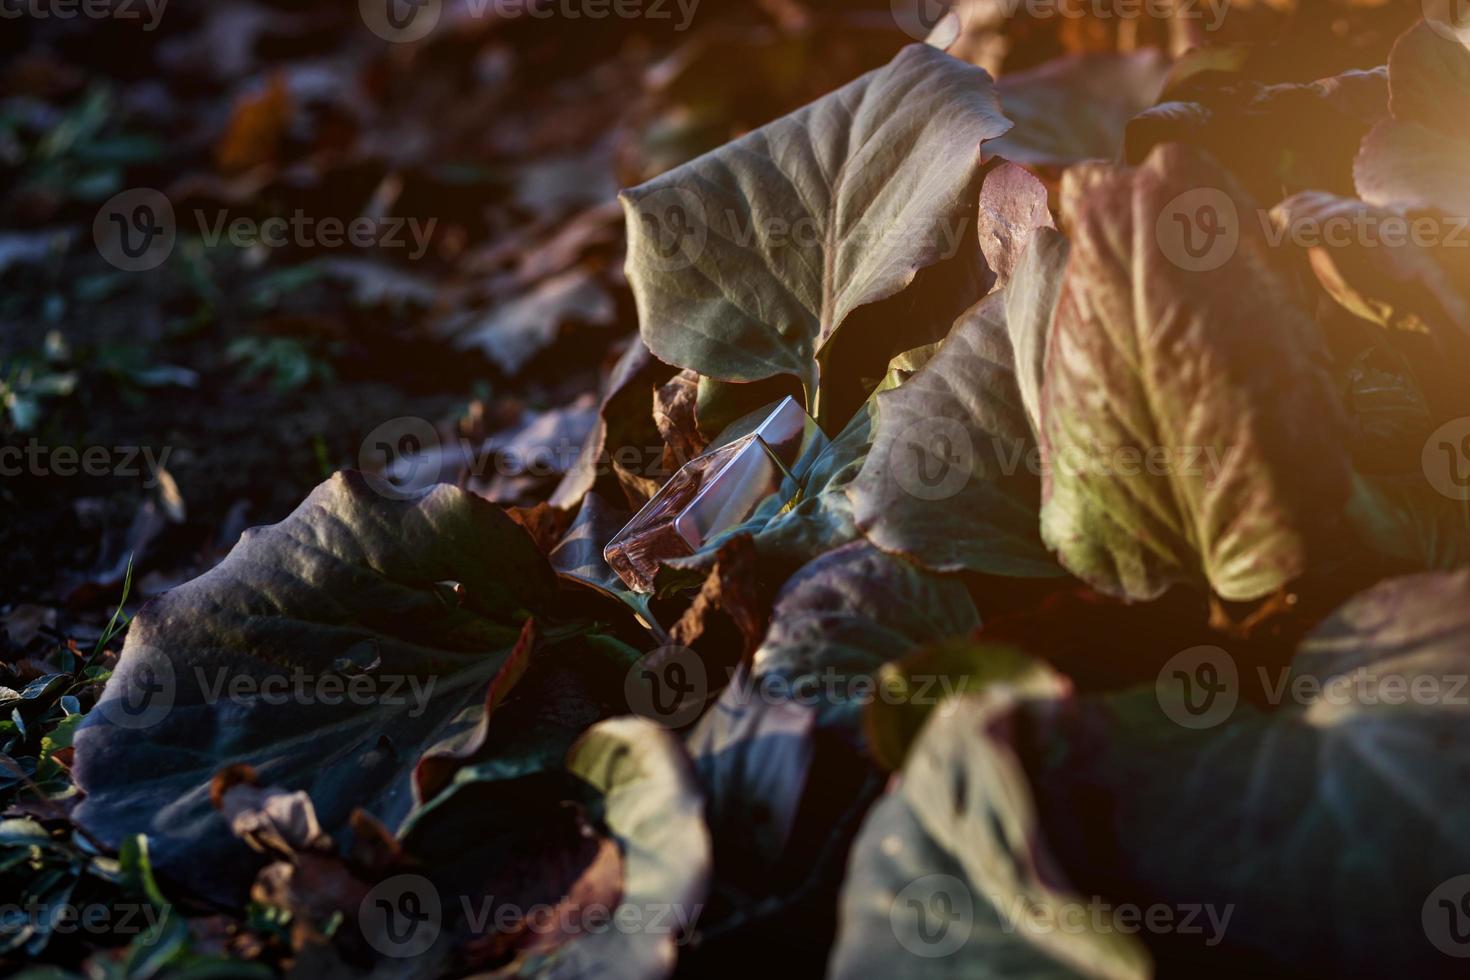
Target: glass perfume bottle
758, 464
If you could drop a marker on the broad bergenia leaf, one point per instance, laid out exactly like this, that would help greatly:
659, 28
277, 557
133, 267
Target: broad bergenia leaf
1190, 429
1076, 108
1422, 155
747, 261
952, 874
327, 651
953, 478
1332, 829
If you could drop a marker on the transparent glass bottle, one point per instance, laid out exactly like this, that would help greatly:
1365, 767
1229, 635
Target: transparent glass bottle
759, 463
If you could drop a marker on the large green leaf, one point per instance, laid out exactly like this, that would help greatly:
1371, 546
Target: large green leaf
1190, 429
327, 651
1327, 825
746, 262
952, 876
952, 481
